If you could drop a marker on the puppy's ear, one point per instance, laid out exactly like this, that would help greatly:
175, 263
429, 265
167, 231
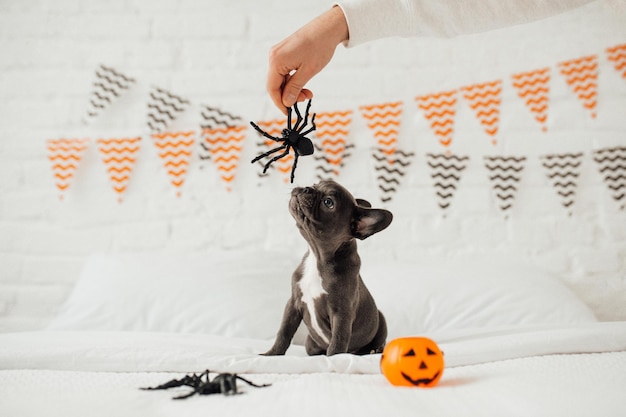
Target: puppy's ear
368, 221
363, 203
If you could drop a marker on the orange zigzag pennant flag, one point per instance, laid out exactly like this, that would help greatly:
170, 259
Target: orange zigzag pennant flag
582, 76
440, 109
225, 145
485, 99
533, 87
119, 157
65, 155
333, 129
174, 149
384, 121
617, 55
274, 128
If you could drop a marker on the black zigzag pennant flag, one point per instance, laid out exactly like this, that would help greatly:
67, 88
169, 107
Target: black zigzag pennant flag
214, 118
390, 168
323, 169
163, 108
612, 165
326, 168
505, 173
108, 86
446, 173
563, 171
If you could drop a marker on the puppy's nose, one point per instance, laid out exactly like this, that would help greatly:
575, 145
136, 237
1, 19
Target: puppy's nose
308, 190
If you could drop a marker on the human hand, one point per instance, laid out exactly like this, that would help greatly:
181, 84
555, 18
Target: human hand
299, 57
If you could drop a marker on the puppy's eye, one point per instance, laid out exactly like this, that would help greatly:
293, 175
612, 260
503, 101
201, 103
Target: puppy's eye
328, 202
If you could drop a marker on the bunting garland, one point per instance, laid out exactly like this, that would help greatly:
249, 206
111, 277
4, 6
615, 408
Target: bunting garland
333, 129
533, 87
390, 169
225, 145
65, 156
563, 171
384, 121
163, 108
223, 134
119, 157
485, 100
582, 76
439, 110
617, 55
612, 165
109, 86
174, 149
446, 173
505, 172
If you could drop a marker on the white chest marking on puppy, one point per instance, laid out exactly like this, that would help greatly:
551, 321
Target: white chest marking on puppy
311, 287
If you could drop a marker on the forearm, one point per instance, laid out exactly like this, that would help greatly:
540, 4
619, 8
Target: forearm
375, 19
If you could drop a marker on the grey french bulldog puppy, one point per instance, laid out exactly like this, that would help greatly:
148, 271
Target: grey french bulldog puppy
328, 293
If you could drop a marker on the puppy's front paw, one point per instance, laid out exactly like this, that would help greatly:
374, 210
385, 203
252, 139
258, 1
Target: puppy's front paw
272, 352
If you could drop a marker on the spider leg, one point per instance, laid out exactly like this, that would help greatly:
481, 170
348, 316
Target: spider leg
276, 158
306, 118
268, 153
293, 168
289, 118
265, 134
299, 120
311, 129
252, 383
182, 397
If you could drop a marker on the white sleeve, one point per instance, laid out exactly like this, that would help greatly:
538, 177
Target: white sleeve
375, 19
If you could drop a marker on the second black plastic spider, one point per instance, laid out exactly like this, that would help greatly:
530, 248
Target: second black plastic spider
201, 384
292, 137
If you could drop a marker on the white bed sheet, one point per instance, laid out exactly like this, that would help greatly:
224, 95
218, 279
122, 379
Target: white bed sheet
577, 370
177, 352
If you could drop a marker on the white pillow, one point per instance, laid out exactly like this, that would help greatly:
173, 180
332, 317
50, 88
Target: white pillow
239, 294
477, 293
243, 293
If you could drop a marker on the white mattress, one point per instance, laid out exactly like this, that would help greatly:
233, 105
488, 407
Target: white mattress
577, 370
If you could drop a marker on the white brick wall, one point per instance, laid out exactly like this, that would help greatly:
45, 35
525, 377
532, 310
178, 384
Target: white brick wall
215, 52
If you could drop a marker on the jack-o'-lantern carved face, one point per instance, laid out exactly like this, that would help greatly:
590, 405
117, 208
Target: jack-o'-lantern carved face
412, 361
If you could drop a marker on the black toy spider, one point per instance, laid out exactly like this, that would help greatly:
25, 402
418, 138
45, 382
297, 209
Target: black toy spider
222, 384
292, 137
